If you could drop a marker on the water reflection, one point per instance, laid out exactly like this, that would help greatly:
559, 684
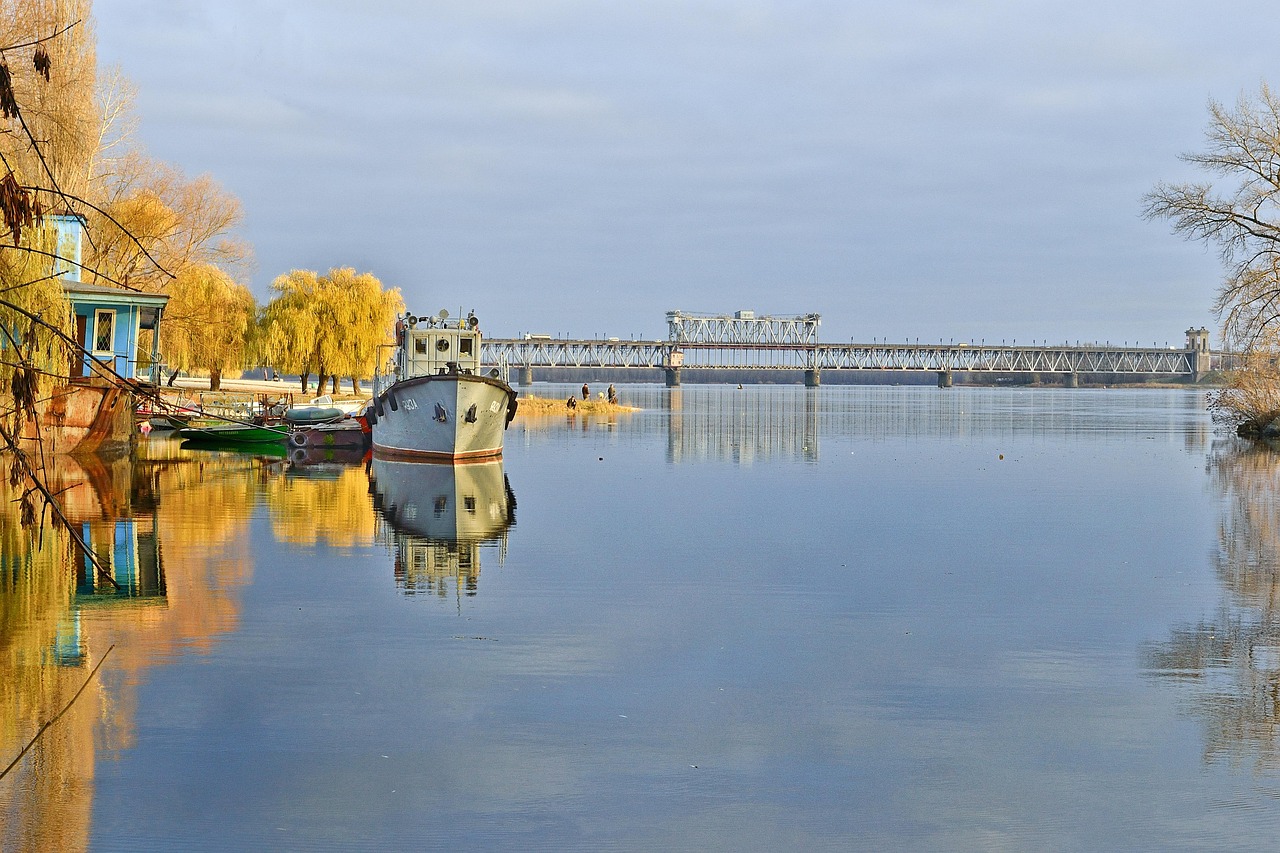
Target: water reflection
1229, 663
741, 428
761, 423
322, 499
61, 610
437, 517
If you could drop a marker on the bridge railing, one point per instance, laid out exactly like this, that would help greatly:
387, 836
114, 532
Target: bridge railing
781, 356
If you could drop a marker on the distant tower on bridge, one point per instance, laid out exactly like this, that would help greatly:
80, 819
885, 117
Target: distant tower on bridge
1198, 346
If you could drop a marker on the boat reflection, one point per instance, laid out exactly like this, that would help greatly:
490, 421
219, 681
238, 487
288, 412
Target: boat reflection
438, 517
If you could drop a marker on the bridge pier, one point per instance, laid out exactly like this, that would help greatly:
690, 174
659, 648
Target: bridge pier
812, 378
1071, 380
944, 379
526, 376
673, 376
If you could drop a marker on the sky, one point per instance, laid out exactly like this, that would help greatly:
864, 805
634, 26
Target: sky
909, 170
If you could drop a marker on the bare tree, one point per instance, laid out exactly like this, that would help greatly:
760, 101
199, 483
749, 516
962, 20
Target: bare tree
1243, 220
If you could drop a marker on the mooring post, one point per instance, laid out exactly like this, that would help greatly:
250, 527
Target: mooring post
944, 379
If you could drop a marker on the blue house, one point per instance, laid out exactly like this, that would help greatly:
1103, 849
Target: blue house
108, 320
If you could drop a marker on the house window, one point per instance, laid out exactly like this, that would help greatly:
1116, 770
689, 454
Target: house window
104, 331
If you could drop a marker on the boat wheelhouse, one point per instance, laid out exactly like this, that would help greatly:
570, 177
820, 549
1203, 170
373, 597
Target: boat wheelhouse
436, 403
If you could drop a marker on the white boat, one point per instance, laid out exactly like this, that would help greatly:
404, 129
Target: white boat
435, 404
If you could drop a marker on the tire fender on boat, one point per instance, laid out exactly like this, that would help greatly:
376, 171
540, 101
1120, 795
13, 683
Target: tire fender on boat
300, 438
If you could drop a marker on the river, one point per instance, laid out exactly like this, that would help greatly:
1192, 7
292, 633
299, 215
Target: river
847, 618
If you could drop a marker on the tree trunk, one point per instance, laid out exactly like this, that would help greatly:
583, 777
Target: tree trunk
355, 387
306, 377
215, 380
335, 385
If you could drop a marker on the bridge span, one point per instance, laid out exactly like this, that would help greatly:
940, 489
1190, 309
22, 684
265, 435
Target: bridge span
746, 341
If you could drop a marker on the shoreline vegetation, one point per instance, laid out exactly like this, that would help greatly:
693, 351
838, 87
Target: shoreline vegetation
544, 406
193, 391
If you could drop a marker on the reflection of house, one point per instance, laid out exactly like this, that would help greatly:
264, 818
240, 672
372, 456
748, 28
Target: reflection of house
94, 409
131, 574
109, 505
128, 553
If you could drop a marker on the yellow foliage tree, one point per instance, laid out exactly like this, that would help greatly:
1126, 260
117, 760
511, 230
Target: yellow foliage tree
365, 316
331, 325
290, 323
160, 223
33, 352
59, 110
208, 323
46, 144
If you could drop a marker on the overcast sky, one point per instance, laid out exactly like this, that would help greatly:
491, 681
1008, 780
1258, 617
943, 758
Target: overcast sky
906, 169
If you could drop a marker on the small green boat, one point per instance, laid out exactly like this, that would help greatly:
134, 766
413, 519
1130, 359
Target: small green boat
231, 435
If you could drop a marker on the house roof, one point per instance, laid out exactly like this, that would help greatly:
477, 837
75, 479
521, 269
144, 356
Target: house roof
78, 291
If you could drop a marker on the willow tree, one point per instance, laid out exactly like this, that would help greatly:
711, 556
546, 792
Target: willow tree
55, 120
35, 325
290, 323
365, 315
208, 323
331, 325
47, 124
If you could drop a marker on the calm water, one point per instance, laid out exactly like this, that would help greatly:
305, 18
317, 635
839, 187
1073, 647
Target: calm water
767, 619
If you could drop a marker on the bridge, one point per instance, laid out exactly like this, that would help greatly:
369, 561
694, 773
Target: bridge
744, 340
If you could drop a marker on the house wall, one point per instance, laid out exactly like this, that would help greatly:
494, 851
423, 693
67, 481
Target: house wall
124, 338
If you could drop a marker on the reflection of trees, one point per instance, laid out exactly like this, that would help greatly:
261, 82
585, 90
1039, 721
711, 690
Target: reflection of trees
329, 504
1231, 662
45, 810
53, 629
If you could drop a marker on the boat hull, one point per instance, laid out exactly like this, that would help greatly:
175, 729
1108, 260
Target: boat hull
452, 417
86, 416
229, 435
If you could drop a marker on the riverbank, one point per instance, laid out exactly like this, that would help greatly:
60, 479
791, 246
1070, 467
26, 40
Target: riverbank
536, 406
190, 389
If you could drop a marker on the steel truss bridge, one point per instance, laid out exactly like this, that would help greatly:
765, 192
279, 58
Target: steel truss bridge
746, 341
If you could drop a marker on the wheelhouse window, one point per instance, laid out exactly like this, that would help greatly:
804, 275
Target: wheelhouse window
104, 329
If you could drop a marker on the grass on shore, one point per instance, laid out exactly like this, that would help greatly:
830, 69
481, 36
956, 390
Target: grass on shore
535, 406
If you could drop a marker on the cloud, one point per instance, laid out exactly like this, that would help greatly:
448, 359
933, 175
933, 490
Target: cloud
722, 149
